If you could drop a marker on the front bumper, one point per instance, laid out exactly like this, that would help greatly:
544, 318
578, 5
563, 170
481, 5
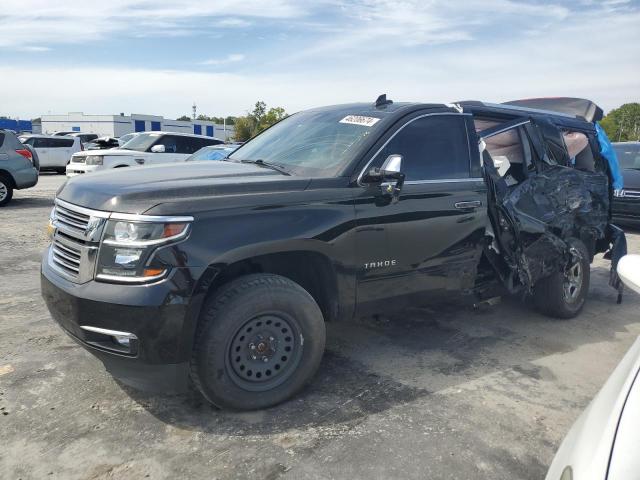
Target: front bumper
157, 314
626, 211
74, 169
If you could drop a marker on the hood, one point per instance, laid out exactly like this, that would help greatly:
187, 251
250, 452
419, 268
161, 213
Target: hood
631, 179
111, 151
136, 190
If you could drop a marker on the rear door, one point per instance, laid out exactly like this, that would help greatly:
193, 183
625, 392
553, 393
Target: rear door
62, 148
427, 243
42, 148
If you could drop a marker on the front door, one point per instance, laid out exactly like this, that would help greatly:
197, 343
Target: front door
426, 242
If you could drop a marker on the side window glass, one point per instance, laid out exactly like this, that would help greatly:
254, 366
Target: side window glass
432, 148
188, 145
169, 142
40, 142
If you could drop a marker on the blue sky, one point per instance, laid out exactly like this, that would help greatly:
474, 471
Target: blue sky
150, 56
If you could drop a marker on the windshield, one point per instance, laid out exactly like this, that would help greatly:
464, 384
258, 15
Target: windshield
628, 155
142, 142
316, 143
211, 153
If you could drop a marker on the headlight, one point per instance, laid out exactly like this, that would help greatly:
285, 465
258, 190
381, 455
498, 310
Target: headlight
94, 159
126, 253
51, 227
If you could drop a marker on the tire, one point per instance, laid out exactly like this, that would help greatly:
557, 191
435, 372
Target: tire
259, 341
6, 191
563, 294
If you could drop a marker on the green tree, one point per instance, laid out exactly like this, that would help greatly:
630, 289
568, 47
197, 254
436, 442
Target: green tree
274, 115
244, 128
622, 124
184, 118
256, 121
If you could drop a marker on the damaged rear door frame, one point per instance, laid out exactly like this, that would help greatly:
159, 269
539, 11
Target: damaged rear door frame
506, 251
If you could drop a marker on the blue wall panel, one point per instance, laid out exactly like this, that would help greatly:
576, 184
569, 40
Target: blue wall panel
155, 126
209, 130
139, 125
197, 129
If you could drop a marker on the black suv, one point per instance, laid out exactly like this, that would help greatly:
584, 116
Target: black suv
626, 204
224, 273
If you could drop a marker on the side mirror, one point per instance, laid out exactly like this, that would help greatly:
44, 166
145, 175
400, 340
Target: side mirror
392, 166
389, 176
390, 170
158, 149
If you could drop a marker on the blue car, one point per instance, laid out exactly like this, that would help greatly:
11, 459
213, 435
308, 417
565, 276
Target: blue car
213, 152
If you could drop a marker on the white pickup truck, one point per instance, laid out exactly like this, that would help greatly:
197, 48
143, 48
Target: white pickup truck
149, 148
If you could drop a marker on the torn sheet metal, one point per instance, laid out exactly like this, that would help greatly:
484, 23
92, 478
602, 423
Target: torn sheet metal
537, 217
570, 203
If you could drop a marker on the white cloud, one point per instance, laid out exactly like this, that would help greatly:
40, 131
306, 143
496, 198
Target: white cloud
32, 48
493, 50
233, 22
68, 21
231, 58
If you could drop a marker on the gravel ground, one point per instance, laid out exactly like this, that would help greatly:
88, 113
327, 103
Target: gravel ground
452, 394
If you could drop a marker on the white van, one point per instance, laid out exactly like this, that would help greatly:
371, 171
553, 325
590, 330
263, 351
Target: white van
54, 152
148, 148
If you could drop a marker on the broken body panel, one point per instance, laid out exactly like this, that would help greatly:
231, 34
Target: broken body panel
556, 186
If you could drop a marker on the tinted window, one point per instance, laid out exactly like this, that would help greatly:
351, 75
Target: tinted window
1, 138
170, 143
59, 142
188, 145
628, 155
432, 148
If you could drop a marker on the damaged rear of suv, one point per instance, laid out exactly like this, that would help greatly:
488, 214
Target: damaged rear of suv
549, 198
224, 273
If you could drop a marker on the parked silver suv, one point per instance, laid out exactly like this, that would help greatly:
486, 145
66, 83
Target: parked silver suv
18, 166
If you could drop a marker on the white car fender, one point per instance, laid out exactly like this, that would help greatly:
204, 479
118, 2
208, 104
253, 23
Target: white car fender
587, 448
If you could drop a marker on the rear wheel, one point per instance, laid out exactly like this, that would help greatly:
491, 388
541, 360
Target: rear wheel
259, 341
563, 294
6, 191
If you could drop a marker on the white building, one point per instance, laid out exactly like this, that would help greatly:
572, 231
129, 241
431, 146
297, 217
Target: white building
118, 125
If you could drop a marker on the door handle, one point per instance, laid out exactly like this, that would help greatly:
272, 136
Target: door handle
468, 204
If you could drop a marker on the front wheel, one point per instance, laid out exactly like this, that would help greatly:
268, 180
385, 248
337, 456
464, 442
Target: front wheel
563, 294
259, 341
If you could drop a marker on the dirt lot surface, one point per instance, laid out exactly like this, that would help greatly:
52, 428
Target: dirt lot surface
451, 394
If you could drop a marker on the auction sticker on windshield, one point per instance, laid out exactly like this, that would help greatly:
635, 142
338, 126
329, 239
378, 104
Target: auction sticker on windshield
360, 120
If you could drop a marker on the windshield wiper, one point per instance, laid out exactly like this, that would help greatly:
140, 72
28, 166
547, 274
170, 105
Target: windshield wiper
272, 166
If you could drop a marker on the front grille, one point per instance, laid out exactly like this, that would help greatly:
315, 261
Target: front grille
76, 240
631, 194
72, 218
66, 257
78, 158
